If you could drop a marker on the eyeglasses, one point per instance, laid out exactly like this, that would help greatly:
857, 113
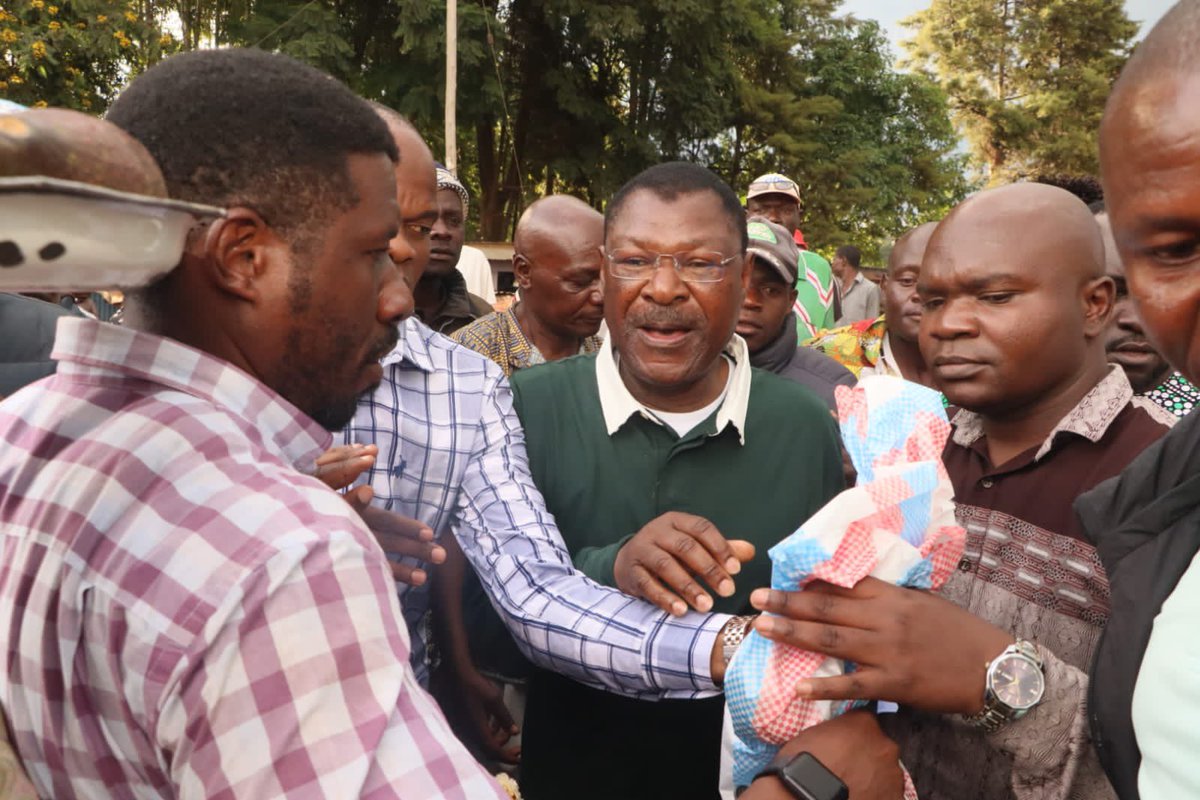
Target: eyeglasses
697, 267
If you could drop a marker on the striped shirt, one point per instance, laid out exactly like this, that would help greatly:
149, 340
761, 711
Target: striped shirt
186, 614
452, 454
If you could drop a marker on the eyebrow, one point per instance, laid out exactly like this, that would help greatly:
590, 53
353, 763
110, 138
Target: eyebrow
976, 285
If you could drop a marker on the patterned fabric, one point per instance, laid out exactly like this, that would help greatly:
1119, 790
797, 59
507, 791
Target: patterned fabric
1045, 588
186, 614
499, 337
1176, 394
814, 293
452, 454
856, 347
897, 524
1091, 418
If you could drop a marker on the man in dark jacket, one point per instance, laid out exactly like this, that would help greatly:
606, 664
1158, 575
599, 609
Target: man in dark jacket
768, 323
1145, 689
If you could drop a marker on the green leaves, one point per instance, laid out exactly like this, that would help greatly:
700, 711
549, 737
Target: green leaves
1027, 79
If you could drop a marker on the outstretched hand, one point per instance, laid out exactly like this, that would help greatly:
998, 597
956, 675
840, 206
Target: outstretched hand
662, 561
340, 466
910, 647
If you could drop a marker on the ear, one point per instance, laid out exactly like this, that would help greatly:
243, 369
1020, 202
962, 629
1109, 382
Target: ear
521, 270
239, 250
1099, 299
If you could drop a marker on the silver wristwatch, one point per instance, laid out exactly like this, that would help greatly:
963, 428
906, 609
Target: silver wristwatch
1015, 684
732, 634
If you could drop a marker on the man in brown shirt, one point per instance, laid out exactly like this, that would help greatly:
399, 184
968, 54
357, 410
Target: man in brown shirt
1019, 347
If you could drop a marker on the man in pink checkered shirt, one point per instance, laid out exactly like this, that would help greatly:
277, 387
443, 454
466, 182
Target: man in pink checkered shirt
185, 612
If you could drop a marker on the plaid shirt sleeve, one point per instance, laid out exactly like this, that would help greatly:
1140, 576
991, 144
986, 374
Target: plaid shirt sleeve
561, 619
299, 686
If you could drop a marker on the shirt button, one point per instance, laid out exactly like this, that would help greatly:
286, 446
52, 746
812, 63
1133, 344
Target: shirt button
987, 483
964, 565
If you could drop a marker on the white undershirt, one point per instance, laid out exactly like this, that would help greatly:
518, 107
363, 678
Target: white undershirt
1166, 700
682, 422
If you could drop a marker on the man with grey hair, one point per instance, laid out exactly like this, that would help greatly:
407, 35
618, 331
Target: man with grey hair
442, 300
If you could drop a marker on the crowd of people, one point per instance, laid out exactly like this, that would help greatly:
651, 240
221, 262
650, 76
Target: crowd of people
312, 519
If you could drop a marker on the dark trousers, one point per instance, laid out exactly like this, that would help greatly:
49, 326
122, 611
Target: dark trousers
581, 743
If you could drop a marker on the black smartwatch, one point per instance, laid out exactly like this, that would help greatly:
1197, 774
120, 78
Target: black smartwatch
807, 778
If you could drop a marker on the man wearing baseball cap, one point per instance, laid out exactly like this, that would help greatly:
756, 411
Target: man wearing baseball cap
767, 321
777, 197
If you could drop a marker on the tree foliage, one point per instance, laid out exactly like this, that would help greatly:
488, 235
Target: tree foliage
577, 96
76, 53
1027, 79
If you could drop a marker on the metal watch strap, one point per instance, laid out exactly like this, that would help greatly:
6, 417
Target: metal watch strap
995, 714
732, 634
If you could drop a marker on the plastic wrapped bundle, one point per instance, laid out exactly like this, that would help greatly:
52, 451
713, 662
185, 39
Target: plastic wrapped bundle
897, 525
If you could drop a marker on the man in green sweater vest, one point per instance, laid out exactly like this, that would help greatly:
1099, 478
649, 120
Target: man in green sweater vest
669, 432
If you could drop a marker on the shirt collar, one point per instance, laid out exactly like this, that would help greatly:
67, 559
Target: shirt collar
887, 364
619, 405
1090, 418
412, 349
525, 354
458, 301
87, 347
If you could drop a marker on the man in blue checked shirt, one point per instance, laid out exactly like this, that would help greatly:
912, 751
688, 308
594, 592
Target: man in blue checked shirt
450, 453
446, 448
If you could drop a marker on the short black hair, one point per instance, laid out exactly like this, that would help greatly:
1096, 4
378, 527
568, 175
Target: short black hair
246, 127
674, 178
1086, 187
851, 253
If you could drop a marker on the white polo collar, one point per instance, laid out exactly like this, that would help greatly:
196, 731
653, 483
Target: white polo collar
619, 405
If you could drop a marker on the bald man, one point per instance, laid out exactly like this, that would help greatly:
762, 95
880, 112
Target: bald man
1146, 687
887, 345
557, 262
991, 674
900, 353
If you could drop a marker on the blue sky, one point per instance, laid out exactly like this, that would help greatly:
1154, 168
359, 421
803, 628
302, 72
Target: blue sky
890, 12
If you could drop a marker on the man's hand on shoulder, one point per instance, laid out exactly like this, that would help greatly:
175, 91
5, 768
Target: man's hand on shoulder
662, 561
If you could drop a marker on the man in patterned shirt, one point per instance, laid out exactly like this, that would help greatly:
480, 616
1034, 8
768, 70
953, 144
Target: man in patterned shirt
1149, 373
1019, 348
186, 613
556, 263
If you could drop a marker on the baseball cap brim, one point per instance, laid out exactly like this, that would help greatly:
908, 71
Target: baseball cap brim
788, 275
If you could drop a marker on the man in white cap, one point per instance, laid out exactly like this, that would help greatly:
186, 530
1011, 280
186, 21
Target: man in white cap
777, 197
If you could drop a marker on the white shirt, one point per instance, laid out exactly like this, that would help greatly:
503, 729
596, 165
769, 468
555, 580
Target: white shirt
475, 267
1166, 700
619, 405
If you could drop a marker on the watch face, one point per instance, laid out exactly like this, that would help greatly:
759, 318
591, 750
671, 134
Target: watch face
1017, 682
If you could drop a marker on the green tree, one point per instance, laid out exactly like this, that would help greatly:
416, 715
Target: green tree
1027, 79
873, 150
76, 53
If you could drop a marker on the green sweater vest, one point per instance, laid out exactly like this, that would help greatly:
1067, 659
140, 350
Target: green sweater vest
603, 489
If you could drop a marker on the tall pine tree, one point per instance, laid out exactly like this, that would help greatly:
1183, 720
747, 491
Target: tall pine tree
1027, 79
